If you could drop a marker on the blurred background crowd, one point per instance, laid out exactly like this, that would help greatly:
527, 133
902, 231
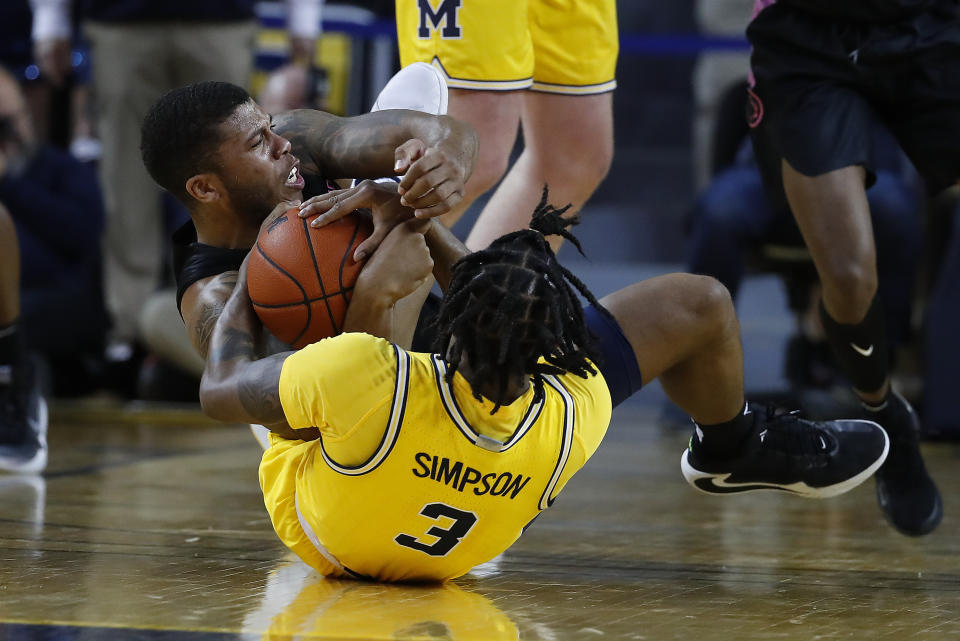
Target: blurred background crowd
683, 191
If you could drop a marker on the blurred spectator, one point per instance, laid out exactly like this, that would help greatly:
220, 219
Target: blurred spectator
15, 46
942, 357
141, 49
56, 205
713, 75
735, 217
16, 55
294, 86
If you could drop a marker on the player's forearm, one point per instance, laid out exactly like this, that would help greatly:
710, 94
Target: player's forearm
445, 249
236, 386
363, 146
232, 347
457, 139
370, 310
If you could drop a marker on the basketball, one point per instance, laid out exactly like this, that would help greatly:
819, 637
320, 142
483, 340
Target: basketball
301, 279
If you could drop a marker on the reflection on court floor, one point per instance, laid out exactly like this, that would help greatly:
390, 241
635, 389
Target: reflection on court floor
299, 604
150, 525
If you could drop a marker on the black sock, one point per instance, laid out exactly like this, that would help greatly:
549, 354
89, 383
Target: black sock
724, 440
861, 349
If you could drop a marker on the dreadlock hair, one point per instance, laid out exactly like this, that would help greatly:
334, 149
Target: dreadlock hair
511, 307
180, 133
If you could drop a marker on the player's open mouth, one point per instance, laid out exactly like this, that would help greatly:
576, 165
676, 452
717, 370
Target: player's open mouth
294, 179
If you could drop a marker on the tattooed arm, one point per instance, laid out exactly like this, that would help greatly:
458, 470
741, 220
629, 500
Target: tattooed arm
202, 305
435, 154
238, 386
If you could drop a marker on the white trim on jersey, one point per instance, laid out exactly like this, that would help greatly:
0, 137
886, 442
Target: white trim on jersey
390, 434
324, 552
481, 440
569, 417
491, 85
574, 90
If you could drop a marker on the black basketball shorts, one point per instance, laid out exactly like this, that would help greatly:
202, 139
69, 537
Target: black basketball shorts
820, 86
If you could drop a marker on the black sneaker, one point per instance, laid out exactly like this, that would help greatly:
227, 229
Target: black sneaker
23, 420
907, 495
785, 452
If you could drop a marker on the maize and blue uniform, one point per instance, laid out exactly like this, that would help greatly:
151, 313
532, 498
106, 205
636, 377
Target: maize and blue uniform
413, 478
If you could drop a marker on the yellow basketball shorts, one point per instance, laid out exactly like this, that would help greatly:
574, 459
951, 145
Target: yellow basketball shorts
555, 46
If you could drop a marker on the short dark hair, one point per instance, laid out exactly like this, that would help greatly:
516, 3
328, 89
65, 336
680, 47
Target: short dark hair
180, 132
514, 311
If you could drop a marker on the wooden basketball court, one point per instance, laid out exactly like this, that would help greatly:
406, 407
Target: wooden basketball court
148, 524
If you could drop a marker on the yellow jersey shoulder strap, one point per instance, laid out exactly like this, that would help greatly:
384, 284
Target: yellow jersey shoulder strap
392, 431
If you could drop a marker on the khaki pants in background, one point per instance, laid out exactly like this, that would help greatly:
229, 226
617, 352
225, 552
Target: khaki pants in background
133, 65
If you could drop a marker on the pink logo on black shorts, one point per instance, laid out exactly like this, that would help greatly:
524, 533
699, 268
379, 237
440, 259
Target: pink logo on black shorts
756, 109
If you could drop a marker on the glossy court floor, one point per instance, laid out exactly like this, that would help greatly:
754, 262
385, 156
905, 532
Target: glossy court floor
150, 525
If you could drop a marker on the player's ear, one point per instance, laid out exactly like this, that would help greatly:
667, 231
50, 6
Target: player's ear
206, 187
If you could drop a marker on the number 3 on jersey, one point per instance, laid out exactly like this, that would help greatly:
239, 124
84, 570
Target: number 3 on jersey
448, 538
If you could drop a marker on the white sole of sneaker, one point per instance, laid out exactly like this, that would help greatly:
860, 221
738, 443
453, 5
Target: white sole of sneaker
718, 486
418, 87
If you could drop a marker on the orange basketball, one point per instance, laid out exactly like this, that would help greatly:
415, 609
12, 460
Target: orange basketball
301, 279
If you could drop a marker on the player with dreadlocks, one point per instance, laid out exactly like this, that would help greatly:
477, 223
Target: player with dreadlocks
513, 302
412, 466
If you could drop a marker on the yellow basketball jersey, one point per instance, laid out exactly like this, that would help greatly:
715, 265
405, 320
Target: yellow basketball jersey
447, 486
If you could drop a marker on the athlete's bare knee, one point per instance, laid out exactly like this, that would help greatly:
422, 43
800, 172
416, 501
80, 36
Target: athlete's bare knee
602, 158
849, 287
487, 172
597, 168
585, 165
700, 305
713, 303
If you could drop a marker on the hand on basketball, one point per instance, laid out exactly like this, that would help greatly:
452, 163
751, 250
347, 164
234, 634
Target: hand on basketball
433, 180
402, 264
381, 200
282, 208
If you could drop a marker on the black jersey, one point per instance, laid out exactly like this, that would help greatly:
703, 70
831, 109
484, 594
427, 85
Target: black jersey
193, 260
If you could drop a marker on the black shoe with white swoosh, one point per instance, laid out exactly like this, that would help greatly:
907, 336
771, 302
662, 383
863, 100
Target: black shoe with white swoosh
787, 453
